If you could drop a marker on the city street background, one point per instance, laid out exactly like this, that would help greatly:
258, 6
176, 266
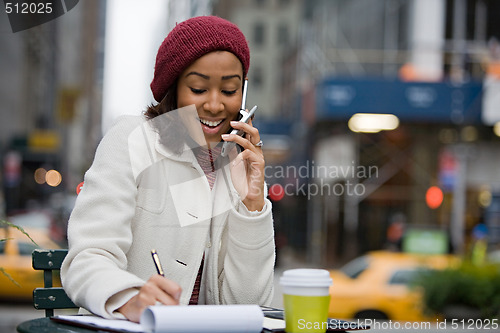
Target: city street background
381, 128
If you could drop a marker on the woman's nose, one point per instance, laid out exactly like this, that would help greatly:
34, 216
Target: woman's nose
214, 103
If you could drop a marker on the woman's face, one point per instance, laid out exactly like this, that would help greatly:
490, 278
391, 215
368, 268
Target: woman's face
214, 84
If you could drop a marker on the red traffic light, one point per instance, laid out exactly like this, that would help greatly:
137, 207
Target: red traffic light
434, 197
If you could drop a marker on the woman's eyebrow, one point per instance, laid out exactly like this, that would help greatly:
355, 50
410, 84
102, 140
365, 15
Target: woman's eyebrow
206, 77
227, 77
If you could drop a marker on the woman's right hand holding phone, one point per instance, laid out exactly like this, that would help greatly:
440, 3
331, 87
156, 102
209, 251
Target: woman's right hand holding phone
247, 167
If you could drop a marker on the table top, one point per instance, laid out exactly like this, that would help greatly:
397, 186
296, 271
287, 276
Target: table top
45, 325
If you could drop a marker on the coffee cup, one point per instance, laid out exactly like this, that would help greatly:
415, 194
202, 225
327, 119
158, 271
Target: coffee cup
306, 299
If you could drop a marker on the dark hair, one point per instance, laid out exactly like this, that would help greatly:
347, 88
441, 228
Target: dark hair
168, 103
171, 135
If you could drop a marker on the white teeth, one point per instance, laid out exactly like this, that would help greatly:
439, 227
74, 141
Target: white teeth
210, 123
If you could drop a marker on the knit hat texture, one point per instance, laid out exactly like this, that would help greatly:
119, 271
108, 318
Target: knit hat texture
190, 40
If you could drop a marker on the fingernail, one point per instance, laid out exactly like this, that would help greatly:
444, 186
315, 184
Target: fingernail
234, 122
225, 136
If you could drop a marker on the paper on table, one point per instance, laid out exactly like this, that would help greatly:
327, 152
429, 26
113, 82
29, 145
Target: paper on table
272, 324
203, 318
169, 319
95, 322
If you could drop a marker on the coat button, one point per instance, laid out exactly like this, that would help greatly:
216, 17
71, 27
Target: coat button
209, 244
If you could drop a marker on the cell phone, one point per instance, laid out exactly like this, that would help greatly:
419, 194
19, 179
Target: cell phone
244, 97
245, 117
227, 146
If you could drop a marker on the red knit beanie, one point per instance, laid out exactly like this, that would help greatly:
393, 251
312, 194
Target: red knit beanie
190, 40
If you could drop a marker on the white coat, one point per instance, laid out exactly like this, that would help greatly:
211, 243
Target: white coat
139, 196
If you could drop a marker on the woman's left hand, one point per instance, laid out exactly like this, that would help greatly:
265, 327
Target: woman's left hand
247, 168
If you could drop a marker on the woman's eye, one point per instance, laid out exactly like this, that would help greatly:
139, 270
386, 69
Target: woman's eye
229, 92
197, 91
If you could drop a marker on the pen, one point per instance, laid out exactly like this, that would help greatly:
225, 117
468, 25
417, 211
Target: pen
156, 260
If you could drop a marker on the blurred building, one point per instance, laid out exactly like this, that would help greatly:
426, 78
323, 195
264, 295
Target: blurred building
271, 28
179, 11
423, 61
50, 93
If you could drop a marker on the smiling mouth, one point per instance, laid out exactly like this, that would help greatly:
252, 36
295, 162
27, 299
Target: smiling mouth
210, 123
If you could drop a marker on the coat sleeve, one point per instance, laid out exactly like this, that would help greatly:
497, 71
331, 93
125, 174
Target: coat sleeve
248, 272
99, 229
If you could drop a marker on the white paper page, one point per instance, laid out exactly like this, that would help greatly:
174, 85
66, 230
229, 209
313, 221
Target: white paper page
274, 324
105, 323
203, 318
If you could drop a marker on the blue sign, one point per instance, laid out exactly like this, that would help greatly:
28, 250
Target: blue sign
435, 102
273, 126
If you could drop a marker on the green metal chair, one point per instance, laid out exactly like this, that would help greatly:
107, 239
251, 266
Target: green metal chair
49, 297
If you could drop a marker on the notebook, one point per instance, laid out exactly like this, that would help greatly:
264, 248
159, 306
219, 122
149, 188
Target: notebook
169, 319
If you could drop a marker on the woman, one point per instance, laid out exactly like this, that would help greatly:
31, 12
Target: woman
158, 182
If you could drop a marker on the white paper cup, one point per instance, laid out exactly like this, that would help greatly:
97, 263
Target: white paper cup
306, 299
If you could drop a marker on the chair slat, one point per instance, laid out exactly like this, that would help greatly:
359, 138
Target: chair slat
48, 259
51, 298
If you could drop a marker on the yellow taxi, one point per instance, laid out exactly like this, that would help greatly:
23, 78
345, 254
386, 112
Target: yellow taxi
378, 286
15, 260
